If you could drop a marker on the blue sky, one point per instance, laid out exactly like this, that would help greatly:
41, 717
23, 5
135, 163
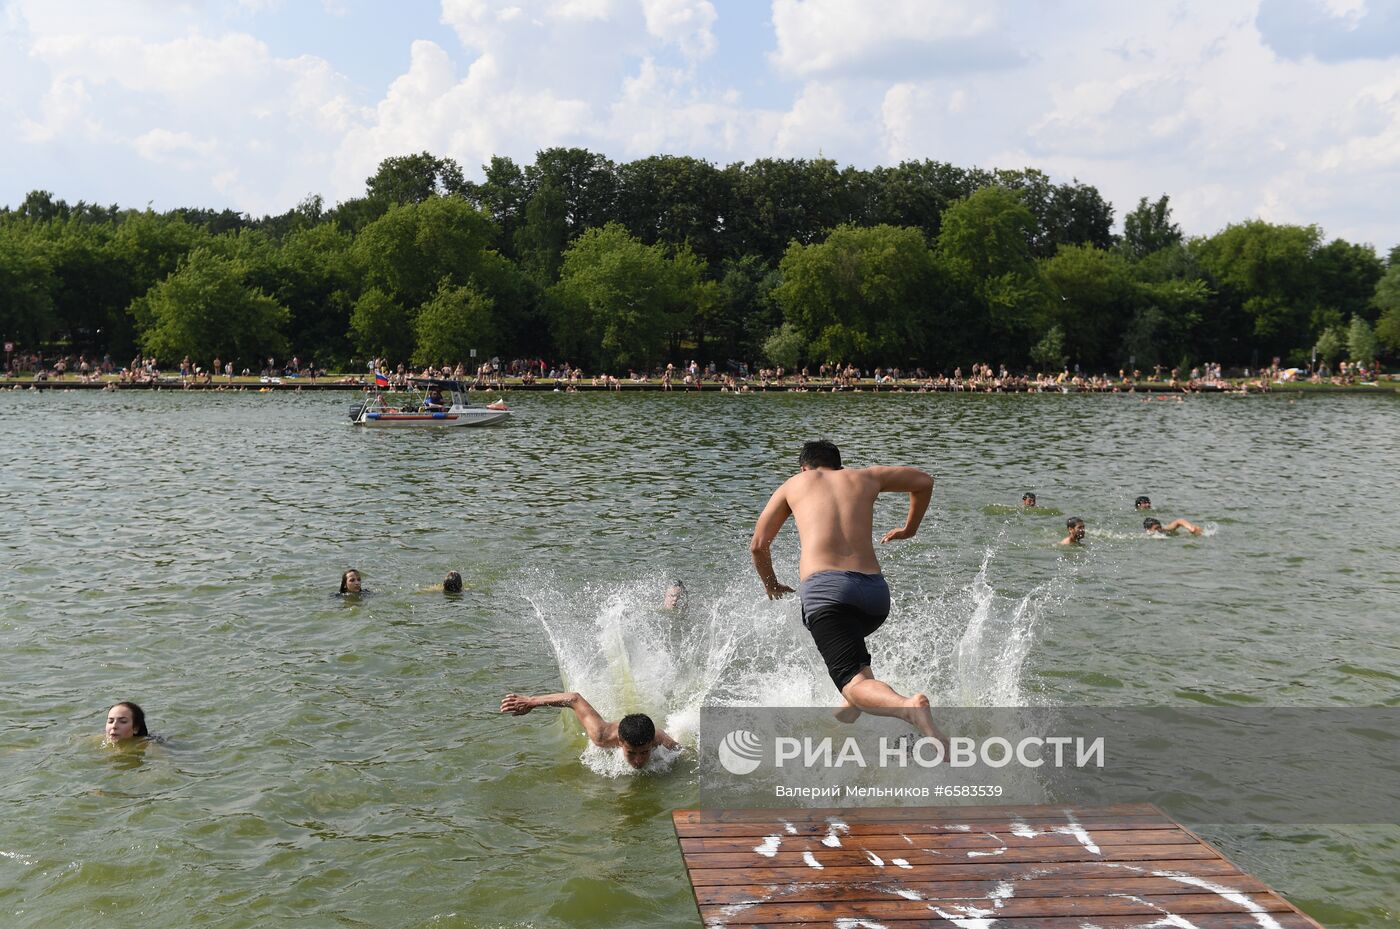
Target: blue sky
1287, 110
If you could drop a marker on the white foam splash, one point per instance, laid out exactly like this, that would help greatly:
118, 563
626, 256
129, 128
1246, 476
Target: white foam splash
812, 861
769, 848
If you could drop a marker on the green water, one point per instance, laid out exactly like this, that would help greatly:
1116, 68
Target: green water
343, 764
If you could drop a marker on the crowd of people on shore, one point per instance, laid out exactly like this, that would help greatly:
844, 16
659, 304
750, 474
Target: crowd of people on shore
736, 377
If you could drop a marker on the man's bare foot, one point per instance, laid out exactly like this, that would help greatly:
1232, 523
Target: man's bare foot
846, 713
920, 716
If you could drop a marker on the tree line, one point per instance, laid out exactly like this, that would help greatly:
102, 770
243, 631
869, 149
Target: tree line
628, 265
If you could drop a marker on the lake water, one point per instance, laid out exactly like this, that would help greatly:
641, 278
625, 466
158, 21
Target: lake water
343, 764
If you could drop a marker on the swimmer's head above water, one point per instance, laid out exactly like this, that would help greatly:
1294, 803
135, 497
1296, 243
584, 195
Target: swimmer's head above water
1152, 525
819, 453
638, 736
1142, 503
125, 720
452, 584
674, 598
350, 582
1075, 525
1028, 499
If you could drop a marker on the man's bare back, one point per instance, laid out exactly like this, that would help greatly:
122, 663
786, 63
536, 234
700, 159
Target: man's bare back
835, 511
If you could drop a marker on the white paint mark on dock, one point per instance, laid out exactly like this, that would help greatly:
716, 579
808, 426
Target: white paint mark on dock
769, 848
812, 861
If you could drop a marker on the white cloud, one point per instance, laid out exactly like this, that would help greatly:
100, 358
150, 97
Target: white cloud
687, 24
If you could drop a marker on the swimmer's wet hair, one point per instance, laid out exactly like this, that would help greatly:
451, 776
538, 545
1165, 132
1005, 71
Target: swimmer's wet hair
1141, 500
1028, 496
344, 577
1150, 523
1073, 521
820, 453
452, 584
636, 729
138, 719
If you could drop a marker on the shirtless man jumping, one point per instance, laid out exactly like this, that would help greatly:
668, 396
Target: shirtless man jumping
844, 595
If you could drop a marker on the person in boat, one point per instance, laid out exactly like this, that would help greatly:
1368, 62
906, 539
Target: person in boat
842, 591
635, 734
1155, 527
434, 402
125, 721
1028, 499
350, 583
1075, 526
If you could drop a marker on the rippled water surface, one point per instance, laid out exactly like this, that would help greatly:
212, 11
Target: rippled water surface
336, 763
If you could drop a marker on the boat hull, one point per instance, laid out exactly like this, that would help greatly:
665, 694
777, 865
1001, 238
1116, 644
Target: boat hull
441, 420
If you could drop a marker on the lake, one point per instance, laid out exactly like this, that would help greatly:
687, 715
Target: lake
336, 763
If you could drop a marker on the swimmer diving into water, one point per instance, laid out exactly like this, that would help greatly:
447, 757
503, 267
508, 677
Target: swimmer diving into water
843, 594
635, 733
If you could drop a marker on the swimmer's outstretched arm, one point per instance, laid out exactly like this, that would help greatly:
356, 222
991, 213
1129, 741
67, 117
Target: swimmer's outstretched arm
1183, 524
769, 522
600, 731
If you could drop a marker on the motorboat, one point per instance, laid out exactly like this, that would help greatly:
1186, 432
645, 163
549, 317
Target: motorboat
425, 403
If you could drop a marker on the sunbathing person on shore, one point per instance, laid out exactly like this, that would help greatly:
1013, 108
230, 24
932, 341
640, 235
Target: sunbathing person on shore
1155, 527
635, 734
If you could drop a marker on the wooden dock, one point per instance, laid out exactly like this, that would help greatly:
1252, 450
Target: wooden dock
1008, 867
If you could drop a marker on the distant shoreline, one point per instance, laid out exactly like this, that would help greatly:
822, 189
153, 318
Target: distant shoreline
1387, 384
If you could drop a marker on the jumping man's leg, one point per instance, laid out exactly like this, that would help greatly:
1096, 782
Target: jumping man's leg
867, 694
846, 713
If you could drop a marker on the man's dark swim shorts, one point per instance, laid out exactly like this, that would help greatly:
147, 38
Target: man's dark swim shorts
841, 608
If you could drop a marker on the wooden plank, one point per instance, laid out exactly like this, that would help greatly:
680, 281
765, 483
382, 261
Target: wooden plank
1082, 907
760, 828
838, 857
1200, 921
934, 891
948, 814
981, 840
986, 870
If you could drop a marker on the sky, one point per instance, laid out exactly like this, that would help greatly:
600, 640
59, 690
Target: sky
1285, 110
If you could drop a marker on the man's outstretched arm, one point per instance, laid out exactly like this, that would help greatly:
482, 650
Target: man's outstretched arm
918, 484
593, 723
769, 522
1184, 524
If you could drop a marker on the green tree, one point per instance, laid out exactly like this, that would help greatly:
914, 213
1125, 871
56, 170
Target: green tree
786, 346
1049, 353
744, 311
414, 178
409, 250
1362, 345
1387, 302
381, 326
1330, 345
618, 299
862, 295
501, 195
1267, 271
676, 200
26, 288
1091, 297
1149, 228
317, 281
543, 235
984, 245
451, 324
206, 309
